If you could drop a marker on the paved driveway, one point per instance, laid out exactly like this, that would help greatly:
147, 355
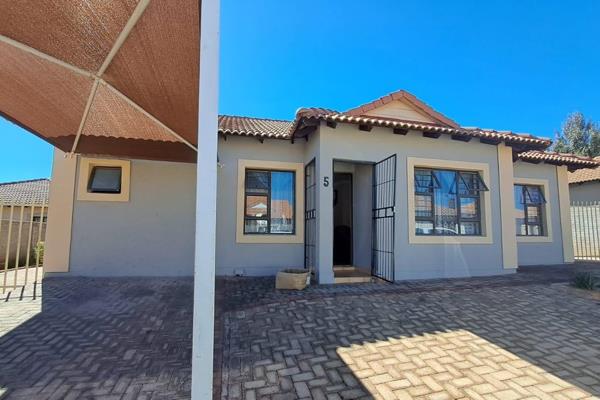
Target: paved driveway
511, 337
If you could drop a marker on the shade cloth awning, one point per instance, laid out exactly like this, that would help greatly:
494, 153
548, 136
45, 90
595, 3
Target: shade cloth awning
116, 78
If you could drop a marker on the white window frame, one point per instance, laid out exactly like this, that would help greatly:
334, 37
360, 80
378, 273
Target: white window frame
485, 204
298, 169
546, 211
86, 165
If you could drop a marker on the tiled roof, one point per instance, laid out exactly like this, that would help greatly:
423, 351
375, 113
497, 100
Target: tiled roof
585, 174
505, 136
259, 127
307, 117
32, 192
573, 161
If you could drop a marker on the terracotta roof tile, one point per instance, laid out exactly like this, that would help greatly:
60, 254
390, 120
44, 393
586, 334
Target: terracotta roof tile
259, 127
32, 192
573, 161
585, 174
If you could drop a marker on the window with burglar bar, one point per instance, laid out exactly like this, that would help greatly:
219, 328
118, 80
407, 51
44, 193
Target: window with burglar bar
529, 203
269, 202
448, 202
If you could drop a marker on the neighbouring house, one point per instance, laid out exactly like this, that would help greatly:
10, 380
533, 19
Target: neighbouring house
391, 188
584, 184
23, 211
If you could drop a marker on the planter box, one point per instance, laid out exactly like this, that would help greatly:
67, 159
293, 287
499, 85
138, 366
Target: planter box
293, 279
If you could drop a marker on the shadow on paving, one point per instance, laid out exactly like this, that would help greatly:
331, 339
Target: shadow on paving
101, 338
472, 339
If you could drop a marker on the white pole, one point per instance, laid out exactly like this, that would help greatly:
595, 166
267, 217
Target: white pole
206, 203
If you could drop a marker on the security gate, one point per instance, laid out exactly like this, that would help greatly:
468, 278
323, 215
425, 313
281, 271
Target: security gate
384, 202
310, 216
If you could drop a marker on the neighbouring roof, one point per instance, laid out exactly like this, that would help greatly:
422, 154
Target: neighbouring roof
573, 161
259, 127
31, 192
307, 118
585, 174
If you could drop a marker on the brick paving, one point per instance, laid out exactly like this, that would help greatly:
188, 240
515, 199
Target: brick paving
521, 336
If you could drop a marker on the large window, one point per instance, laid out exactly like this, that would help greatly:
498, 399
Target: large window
529, 203
269, 206
447, 202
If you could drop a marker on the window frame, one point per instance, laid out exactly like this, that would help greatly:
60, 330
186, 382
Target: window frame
270, 238
457, 192
86, 166
268, 195
546, 212
483, 169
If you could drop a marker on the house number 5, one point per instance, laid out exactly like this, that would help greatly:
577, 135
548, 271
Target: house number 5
326, 181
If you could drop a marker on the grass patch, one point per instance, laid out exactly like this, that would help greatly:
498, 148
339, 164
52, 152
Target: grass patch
585, 280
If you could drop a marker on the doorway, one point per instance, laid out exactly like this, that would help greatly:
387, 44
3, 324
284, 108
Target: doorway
342, 219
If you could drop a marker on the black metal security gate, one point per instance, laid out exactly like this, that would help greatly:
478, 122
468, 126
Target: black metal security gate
310, 216
384, 203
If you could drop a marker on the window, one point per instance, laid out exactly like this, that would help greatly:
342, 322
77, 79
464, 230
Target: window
447, 202
529, 203
269, 202
105, 180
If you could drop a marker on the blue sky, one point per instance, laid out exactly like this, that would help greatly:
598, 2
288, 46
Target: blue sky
517, 65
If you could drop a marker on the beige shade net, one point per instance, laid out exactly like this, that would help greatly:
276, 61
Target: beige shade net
114, 78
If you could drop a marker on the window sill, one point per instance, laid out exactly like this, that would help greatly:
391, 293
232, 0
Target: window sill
269, 238
449, 240
534, 239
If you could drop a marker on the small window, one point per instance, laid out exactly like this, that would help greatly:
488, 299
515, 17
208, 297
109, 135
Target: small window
105, 180
529, 203
269, 206
448, 203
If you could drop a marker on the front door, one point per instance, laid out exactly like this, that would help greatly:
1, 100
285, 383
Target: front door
342, 218
384, 209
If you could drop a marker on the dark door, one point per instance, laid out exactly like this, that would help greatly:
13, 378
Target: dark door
310, 216
384, 203
342, 218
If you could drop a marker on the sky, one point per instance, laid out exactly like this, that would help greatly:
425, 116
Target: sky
510, 65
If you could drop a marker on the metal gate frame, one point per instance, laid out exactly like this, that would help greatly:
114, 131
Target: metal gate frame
383, 219
310, 215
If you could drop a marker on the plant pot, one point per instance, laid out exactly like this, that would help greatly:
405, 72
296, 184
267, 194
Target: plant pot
291, 279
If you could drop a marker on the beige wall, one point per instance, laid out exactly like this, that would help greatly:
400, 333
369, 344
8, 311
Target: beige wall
587, 191
538, 251
152, 234
60, 215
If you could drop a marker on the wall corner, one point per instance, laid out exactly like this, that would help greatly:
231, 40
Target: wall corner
60, 213
507, 207
564, 200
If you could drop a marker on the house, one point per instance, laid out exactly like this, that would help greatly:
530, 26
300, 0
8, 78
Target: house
584, 184
23, 213
391, 188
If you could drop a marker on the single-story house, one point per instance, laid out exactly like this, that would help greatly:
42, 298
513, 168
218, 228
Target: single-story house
23, 213
391, 188
584, 184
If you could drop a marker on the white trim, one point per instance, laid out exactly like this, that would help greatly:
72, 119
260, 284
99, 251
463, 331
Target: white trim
46, 57
298, 168
486, 209
86, 111
206, 203
133, 19
547, 211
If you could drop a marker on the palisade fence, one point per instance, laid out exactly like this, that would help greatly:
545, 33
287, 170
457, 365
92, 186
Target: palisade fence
22, 233
585, 222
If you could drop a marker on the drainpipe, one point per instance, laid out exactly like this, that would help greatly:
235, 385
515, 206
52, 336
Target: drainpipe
206, 203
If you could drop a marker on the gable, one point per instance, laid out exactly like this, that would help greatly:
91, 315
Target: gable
399, 109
